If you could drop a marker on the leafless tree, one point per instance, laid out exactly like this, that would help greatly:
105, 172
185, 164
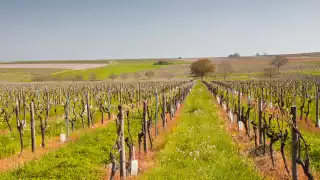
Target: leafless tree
124, 76
279, 61
149, 74
138, 75
224, 68
166, 75
92, 77
113, 76
270, 72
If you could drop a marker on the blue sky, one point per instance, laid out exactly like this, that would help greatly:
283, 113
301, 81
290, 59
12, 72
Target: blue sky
95, 29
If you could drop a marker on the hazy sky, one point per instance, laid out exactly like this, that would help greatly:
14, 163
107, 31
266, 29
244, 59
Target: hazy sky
94, 29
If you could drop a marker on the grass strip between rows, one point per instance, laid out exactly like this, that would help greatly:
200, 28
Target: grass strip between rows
200, 147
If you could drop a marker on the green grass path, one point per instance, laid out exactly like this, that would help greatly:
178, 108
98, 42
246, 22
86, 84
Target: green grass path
200, 147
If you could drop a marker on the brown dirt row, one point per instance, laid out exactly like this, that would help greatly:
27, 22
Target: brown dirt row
53, 144
149, 161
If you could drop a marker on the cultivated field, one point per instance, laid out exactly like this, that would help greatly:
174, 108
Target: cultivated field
151, 119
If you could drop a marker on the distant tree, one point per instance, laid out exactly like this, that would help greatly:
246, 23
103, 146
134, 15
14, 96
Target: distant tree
138, 75
168, 75
124, 76
202, 67
57, 77
265, 54
257, 54
41, 78
113, 76
161, 62
149, 74
92, 77
38, 78
78, 78
225, 69
179, 58
270, 72
279, 61
234, 55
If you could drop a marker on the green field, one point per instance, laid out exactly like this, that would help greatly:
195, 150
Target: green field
116, 67
25, 74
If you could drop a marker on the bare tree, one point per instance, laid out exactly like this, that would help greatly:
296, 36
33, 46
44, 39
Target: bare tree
225, 69
113, 76
138, 75
124, 76
168, 75
270, 72
92, 77
202, 67
149, 74
279, 61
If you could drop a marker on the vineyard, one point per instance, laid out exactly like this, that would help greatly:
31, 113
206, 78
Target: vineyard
45, 114
275, 116
252, 128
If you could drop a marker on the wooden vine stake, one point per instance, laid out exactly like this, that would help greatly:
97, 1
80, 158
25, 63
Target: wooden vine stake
294, 143
164, 106
239, 112
33, 129
317, 106
19, 124
109, 104
260, 120
121, 94
156, 115
66, 112
88, 109
249, 104
145, 127
122, 144
139, 92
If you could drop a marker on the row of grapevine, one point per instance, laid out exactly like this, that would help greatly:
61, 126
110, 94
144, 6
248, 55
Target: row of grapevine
47, 110
267, 112
158, 105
